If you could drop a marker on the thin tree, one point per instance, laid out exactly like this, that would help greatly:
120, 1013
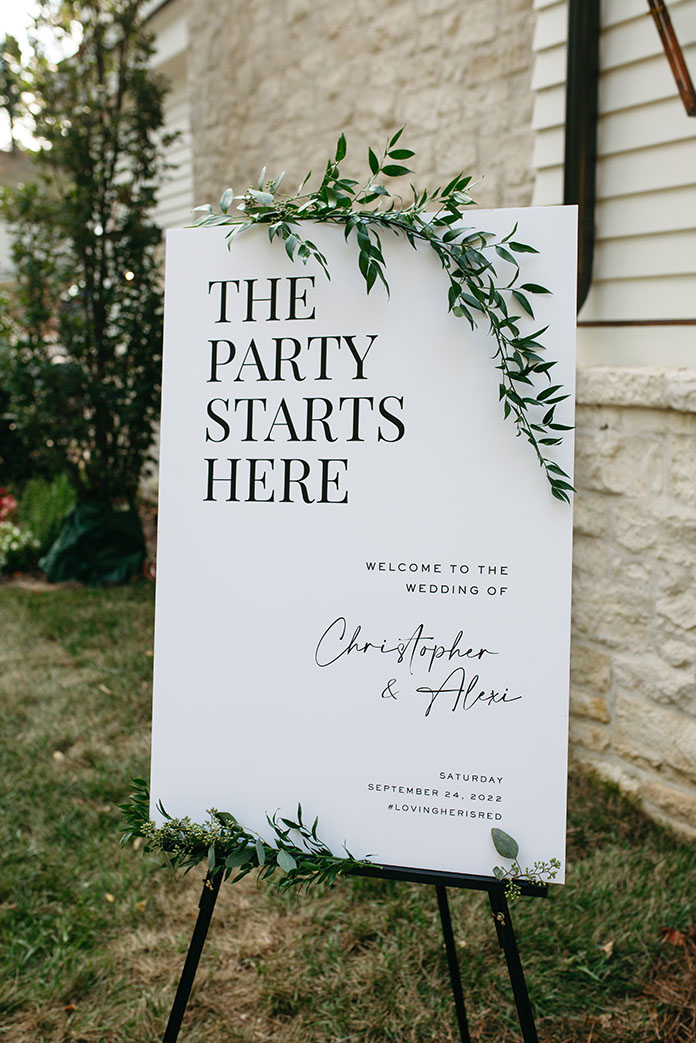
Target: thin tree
10, 81
85, 354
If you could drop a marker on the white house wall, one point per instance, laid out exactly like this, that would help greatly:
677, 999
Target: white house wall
169, 24
645, 251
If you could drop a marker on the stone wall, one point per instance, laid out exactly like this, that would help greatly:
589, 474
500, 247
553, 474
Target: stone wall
633, 671
274, 82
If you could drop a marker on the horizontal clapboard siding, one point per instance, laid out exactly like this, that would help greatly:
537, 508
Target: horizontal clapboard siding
175, 197
168, 22
645, 251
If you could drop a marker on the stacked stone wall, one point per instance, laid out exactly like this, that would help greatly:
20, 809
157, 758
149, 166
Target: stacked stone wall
633, 669
274, 82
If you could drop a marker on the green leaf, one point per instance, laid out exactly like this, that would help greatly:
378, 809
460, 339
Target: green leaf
211, 858
523, 248
401, 153
396, 137
506, 255
548, 391
534, 287
373, 161
226, 199
262, 178
260, 852
290, 245
264, 198
237, 858
395, 170
522, 300
505, 845
340, 148
276, 182
286, 861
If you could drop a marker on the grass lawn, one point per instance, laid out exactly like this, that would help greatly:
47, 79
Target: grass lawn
92, 936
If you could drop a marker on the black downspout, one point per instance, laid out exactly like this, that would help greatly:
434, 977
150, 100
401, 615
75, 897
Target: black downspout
581, 129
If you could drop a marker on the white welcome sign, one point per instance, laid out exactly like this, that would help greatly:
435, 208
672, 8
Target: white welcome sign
363, 590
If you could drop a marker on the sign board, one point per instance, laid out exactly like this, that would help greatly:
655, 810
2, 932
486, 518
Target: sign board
363, 589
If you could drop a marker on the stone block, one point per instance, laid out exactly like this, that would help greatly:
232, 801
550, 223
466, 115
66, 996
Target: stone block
631, 570
590, 513
587, 704
591, 418
623, 776
675, 524
680, 389
657, 421
633, 528
672, 800
676, 825
642, 386
590, 668
679, 609
681, 474
611, 613
677, 653
607, 462
650, 677
589, 735
513, 6
654, 736
590, 555
498, 63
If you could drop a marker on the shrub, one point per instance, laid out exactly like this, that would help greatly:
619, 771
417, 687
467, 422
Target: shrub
84, 335
18, 547
43, 506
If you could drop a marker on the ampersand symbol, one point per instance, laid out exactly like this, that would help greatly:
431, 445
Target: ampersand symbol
389, 692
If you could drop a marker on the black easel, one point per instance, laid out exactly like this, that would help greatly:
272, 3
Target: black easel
441, 881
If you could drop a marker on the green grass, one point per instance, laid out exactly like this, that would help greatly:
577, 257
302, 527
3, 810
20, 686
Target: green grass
92, 936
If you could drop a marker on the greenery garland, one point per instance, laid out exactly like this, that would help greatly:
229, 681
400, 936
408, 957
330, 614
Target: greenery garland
468, 257
229, 848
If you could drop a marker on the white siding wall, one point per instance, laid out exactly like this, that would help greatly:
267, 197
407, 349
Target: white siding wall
175, 197
168, 23
645, 253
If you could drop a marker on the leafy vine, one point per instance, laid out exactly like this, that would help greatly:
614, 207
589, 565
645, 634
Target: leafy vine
302, 858
228, 848
468, 257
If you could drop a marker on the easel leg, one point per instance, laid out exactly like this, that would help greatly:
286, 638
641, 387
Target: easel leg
452, 962
205, 907
508, 943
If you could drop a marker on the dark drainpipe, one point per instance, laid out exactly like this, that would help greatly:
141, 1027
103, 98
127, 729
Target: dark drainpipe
581, 129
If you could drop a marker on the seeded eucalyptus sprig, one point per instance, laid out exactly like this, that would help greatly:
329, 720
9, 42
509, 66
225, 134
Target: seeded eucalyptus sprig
228, 848
482, 270
539, 873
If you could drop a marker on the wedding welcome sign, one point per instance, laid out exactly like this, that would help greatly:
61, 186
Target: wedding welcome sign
363, 595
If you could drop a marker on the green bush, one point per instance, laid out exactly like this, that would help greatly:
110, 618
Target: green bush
81, 356
18, 548
42, 509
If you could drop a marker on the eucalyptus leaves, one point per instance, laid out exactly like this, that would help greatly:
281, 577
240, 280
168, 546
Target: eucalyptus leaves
303, 859
473, 262
539, 873
228, 848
